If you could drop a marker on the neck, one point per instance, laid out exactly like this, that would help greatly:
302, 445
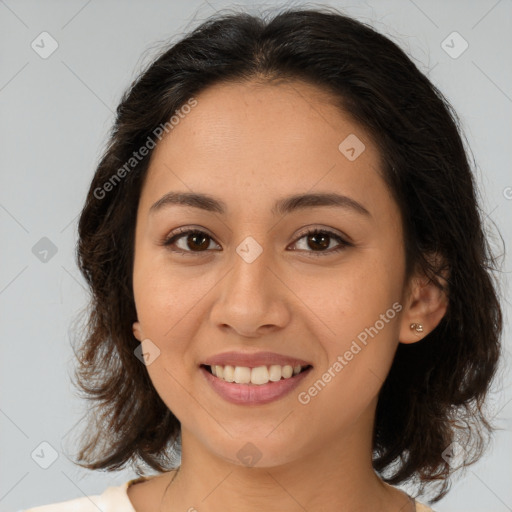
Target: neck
339, 477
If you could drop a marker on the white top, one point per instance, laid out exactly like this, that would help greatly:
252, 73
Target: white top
115, 499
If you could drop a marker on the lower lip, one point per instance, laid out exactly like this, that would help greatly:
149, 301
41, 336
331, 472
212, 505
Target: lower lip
252, 394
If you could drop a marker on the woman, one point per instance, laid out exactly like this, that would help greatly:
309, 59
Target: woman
292, 300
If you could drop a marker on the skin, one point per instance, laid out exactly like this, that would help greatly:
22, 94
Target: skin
249, 145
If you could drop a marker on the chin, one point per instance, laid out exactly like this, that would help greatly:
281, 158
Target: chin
259, 451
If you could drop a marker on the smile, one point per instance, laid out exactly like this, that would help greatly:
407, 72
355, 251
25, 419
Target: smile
257, 376
263, 390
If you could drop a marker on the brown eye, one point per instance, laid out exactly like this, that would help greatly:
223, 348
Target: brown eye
198, 241
318, 242
189, 241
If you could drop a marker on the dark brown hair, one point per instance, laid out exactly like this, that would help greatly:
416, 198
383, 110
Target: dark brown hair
434, 392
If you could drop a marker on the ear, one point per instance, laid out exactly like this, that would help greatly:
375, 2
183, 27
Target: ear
425, 305
137, 331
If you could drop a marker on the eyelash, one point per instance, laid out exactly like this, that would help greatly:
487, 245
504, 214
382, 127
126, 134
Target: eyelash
180, 233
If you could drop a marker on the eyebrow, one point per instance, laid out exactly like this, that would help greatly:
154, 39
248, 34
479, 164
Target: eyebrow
282, 206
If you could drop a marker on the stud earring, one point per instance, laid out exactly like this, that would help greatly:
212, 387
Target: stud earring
417, 327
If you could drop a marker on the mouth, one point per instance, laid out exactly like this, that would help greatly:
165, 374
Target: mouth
261, 382
255, 376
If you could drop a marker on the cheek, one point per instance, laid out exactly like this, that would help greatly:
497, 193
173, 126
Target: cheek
348, 298
358, 362
166, 295
166, 305
170, 301
356, 319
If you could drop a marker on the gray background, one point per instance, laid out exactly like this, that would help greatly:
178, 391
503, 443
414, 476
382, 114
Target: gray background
55, 116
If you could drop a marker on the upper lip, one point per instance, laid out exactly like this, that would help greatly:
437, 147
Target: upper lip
253, 360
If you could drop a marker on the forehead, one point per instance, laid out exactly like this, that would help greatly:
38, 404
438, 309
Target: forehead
260, 139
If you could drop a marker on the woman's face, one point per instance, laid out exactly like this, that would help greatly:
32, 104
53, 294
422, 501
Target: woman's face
254, 288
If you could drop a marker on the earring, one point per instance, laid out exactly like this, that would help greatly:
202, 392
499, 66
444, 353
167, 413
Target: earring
417, 327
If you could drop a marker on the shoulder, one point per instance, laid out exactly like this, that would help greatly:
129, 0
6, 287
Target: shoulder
113, 499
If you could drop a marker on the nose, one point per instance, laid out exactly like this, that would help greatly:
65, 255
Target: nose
251, 300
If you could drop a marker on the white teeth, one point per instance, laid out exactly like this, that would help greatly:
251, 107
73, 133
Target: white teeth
229, 374
258, 376
275, 373
287, 371
242, 375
